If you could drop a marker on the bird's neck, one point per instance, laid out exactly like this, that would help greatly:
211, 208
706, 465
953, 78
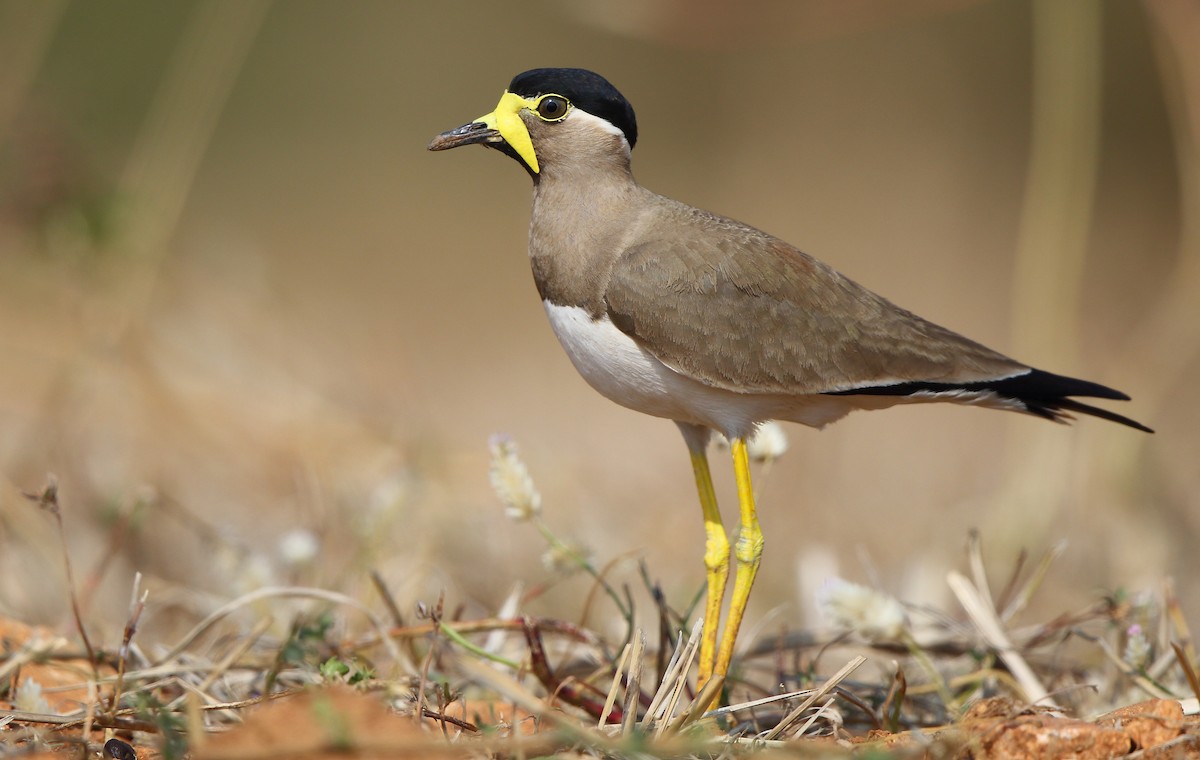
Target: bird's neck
581, 220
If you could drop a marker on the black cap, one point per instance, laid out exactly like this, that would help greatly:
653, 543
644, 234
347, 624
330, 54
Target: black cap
586, 90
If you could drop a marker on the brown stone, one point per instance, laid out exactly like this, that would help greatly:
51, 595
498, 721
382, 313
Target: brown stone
1047, 736
1148, 724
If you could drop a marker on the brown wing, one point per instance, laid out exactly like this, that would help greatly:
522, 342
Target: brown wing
735, 308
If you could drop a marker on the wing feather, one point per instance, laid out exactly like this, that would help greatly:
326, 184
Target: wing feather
738, 309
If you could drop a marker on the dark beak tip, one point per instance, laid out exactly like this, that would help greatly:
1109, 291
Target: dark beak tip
467, 134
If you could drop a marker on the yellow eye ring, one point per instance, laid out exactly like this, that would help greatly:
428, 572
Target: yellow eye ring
552, 108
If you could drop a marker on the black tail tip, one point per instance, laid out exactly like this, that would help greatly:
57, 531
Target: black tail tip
1057, 410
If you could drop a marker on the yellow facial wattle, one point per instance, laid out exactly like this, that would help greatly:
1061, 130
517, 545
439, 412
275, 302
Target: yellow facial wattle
506, 119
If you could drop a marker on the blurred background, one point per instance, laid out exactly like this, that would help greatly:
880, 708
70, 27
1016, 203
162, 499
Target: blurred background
261, 336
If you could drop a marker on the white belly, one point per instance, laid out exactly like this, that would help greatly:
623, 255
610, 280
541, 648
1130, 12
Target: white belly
616, 366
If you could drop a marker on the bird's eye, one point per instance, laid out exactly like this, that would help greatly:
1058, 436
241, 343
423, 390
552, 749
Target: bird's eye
552, 107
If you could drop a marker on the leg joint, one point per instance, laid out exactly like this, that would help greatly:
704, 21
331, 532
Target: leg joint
749, 547
716, 548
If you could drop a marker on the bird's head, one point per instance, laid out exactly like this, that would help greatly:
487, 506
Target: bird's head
553, 117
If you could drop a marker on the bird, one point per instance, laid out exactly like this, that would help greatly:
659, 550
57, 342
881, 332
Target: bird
683, 314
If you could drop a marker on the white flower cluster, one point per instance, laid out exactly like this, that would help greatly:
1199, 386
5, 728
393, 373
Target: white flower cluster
29, 698
511, 481
768, 443
299, 547
872, 614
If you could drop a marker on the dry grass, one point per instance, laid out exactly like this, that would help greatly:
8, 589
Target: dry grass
940, 683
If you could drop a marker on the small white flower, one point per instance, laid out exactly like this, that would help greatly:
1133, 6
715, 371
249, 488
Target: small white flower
872, 614
29, 698
511, 481
769, 442
1137, 647
298, 547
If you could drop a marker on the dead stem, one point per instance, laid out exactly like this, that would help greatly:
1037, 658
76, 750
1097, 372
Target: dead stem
47, 501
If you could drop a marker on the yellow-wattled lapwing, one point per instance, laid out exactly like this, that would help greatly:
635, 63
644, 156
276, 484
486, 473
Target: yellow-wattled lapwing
679, 313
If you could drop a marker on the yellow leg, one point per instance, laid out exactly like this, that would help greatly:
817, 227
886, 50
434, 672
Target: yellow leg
716, 562
748, 552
